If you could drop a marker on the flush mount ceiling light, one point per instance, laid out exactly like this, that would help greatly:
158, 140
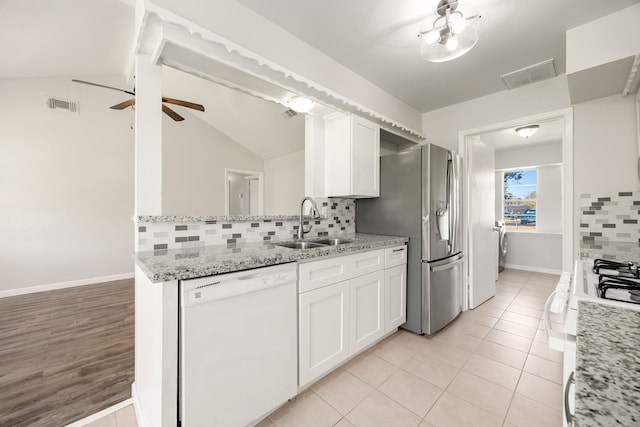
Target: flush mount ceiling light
527, 131
300, 104
450, 32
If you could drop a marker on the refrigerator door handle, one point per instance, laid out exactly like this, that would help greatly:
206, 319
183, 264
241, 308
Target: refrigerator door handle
451, 209
447, 266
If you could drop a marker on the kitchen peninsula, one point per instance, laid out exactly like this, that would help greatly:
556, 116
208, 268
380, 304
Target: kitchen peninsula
158, 304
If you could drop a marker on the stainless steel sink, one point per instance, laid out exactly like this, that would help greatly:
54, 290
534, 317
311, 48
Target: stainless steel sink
334, 241
300, 245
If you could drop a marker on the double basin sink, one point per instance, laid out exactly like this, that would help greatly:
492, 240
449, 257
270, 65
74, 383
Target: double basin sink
301, 244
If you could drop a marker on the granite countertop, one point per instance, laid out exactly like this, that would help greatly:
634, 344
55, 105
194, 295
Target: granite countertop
607, 366
619, 251
178, 264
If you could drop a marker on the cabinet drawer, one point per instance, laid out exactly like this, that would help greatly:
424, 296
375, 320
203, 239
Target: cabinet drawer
395, 256
314, 275
367, 262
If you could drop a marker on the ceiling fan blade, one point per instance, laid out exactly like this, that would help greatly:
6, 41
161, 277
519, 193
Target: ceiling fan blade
104, 86
181, 103
169, 112
124, 104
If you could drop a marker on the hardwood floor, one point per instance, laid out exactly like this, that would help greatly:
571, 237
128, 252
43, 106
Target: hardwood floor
65, 354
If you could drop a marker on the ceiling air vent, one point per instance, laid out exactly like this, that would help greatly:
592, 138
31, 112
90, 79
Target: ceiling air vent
61, 104
531, 74
289, 114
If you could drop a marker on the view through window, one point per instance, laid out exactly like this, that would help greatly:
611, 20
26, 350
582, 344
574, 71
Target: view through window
520, 189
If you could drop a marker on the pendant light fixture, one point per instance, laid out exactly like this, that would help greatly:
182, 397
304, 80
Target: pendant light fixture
449, 33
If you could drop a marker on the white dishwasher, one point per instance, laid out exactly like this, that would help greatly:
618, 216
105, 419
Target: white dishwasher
238, 346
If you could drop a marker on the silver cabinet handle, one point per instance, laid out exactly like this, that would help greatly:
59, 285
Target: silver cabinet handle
567, 412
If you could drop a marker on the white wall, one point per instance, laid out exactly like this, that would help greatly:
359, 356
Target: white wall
194, 156
284, 183
66, 182
531, 250
534, 155
549, 199
441, 126
605, 148
535, 252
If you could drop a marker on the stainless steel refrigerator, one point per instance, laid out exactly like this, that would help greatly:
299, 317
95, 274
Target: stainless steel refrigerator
420, 198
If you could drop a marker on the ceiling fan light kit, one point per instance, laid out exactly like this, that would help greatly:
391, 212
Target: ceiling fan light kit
527, 131
450, 33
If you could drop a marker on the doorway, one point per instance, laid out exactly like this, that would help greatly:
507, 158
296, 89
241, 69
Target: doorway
480, 237
243, 192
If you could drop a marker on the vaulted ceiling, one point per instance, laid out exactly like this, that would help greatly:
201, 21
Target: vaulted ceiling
375, 38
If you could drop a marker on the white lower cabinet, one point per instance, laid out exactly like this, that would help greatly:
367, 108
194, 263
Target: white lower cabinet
395, 296
323, 330
366, 311
338, 320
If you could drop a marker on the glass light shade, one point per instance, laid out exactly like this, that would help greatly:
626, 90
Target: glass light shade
452, 43
463, 23
431, 37
458, 25
300, 104
527, 131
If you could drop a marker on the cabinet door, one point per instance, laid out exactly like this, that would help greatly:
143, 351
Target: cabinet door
323, 330
366, 313
365, 158
395, 293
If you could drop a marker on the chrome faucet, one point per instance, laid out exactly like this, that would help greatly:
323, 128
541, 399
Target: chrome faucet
314, 212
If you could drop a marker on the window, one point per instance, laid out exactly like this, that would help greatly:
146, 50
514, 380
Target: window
519, 195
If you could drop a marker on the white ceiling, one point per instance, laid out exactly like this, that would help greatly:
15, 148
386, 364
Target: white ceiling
54, 38
375, 38
378, 40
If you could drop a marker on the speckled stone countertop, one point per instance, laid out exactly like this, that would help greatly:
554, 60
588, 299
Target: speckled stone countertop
178, 264
607, 366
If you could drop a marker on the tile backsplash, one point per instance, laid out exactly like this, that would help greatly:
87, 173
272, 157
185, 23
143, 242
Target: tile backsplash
610, 217
339, 219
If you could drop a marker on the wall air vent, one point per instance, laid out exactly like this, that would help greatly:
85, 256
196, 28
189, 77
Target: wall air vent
61, 104
531, 74
289, 114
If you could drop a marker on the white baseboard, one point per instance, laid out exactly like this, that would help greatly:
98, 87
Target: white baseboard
62, 285
101, 414
533, 269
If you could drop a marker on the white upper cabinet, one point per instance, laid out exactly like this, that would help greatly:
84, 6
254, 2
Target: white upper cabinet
352, 156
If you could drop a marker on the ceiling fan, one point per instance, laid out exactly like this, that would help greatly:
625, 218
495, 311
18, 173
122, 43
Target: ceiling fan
131, 102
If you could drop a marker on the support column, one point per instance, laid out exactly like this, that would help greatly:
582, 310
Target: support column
148, 138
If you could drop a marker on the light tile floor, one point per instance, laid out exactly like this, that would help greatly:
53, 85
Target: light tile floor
491, 367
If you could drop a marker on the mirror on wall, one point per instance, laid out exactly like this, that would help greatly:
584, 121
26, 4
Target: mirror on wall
236, 132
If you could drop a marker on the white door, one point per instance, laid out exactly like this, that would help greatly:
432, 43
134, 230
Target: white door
365, 157
483, 240
323, 330
395, 297
366, 311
